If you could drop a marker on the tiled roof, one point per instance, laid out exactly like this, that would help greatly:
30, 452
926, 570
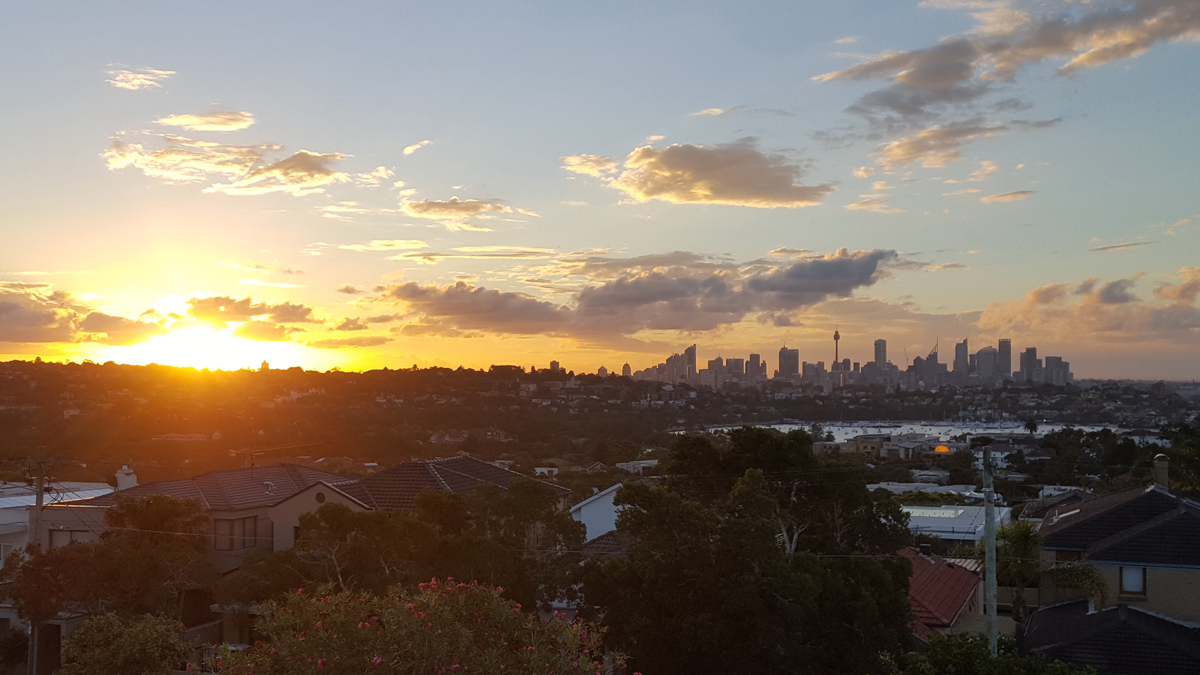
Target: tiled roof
397, 487
1144, 525
233, 489
1061, 503
608, 544
939, 589
1119, 640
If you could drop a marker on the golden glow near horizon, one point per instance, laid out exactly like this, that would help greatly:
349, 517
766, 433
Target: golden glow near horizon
204, 347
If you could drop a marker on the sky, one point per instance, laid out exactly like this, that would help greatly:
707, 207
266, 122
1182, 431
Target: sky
360, 185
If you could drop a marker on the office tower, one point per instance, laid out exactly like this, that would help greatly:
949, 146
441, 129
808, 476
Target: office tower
754, 367
689, 363
554, 366
845, 369
789, 362
602, 371
985, 362
1057, 371
1004, 359
626, 371
1031, 365
735, 368
881, 354
962, 362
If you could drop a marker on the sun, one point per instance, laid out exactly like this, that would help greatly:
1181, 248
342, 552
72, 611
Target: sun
204, 347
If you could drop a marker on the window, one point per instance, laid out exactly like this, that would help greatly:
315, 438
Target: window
235, 534
5, 550
1133, 581
64, 537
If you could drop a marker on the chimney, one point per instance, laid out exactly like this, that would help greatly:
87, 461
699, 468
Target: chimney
927, 550
126, 478
1160, 471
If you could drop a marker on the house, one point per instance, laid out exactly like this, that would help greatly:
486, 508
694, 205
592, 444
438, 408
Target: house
598, 513
943, 594
967, 492
17, 499
1145, 540
397, 487
952, 523
238, 503
1119, 640
1053, 504
638, 466
867, 444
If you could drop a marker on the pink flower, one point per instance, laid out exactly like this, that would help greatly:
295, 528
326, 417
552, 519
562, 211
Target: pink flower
378, 660
321, 662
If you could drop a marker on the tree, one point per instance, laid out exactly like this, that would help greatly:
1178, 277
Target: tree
106, 645
1018, 555
1031, 426
965, 654
437, 627
707, 588
144, 566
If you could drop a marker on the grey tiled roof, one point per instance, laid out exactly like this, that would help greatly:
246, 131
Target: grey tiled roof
1120, 640
233, 489
1144, 525
398, 486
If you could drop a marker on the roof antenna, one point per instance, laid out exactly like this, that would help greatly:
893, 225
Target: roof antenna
270, 487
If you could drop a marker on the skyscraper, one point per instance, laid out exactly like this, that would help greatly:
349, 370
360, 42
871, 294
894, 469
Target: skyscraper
1030, 365
789, 362
689, 359
1004, 359
880, 354
754, 367
986, 364
626, 371
962, 365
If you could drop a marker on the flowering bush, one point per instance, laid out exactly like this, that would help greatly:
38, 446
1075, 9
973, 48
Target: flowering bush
437, 628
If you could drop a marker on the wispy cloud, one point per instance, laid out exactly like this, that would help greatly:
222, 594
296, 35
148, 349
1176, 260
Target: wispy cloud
712, 112
1118, 247
1007, 197
386, 245
343, 343
260, 282
416, 146
215, 120
142, 78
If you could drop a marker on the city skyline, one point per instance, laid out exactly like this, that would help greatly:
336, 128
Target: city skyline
738, 176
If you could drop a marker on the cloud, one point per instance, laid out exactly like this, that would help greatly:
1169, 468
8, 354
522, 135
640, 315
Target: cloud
349, 324
350, 290
216, 120
265, 331
361, 341
591, 165
187, 160
416, 146
873, 206
1184, 293
1007, 197
33, 313
480, 253
848, 40
456, 213
1100, 313
386, 245
142, 78
303, 173
713, 112
623, 297
1119, 247
964, 191
864, 172
268, 284
936, 146
222, 309
734, 174
986, 168
117, 330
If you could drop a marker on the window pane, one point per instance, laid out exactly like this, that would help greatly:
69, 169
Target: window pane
1133, 580
224, 531
250, 532
59, 538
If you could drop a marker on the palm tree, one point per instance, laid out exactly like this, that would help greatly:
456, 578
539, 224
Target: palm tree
1031, 426
1018, 554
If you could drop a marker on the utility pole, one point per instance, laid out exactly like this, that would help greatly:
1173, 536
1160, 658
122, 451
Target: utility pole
35, 543
989, 527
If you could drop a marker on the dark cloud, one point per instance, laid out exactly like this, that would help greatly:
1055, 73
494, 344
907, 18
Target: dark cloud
1118, 247
349, 324
117, 330
350, 290
1116, 292
32, 315
362, 341
265, 331
222, 308
628, 296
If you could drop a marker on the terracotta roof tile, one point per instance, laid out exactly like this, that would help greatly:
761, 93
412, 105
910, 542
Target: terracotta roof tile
939, 589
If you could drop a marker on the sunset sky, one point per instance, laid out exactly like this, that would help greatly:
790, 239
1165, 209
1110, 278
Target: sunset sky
387, 184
